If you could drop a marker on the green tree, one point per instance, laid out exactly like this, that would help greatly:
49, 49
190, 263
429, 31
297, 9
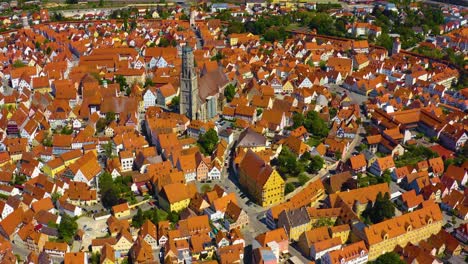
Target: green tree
57, 16
338, 155
332, 111
95, 258
306, 157
18, 64
382, 209
173, 217
208, 141
71, 2
67, 228
389, 258
386, 177
385, 41
66, 131
101, 125
184, 17
298, 120
361, 147
109, 198
218, 57
323, 23
315, 125
287, 164
109, 190
235, 27
133, 25
205, 188
288, 188
108, 149
120, 79
303, 179
138, 219
229, 92
323, 65
175, 101
105, 181
19, 179
164, 42
148, 81
323, 221
55, 197
316, 164
110, 116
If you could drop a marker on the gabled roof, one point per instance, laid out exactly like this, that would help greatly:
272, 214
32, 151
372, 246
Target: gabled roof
277, 235
358, 161
255, 168
400, 225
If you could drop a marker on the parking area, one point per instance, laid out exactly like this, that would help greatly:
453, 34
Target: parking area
93, 229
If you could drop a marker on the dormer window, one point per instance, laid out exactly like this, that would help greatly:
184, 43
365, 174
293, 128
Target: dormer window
409, 228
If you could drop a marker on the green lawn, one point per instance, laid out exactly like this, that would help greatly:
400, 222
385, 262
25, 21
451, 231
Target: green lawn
313, 141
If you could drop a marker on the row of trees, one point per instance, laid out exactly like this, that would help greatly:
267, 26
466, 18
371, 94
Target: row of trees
382, 209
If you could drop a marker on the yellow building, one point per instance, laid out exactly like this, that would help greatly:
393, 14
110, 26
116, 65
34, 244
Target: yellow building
174, 197
341, 231
295, 222
121, 210
52, 167
260, 180
4, 158
399, 231
235, 39
124, 242
41, 85
288, 87
107, 254
71, 157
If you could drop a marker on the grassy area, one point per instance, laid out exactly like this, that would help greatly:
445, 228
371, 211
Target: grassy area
313, 141
162, 215
367, 180
293, 26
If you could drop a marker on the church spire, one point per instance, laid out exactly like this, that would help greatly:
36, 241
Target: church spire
189, 98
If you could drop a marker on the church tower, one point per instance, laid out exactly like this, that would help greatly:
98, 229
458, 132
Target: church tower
189, 98
396, 46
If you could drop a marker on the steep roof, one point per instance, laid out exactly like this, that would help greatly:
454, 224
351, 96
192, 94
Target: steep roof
348, 253
399, 225
276, 235
362, 195
255, 168
358, 161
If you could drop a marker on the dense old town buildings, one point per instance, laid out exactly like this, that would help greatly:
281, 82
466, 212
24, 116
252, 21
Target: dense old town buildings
174, 134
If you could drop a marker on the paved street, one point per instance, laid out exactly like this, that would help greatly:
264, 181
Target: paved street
21, 251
